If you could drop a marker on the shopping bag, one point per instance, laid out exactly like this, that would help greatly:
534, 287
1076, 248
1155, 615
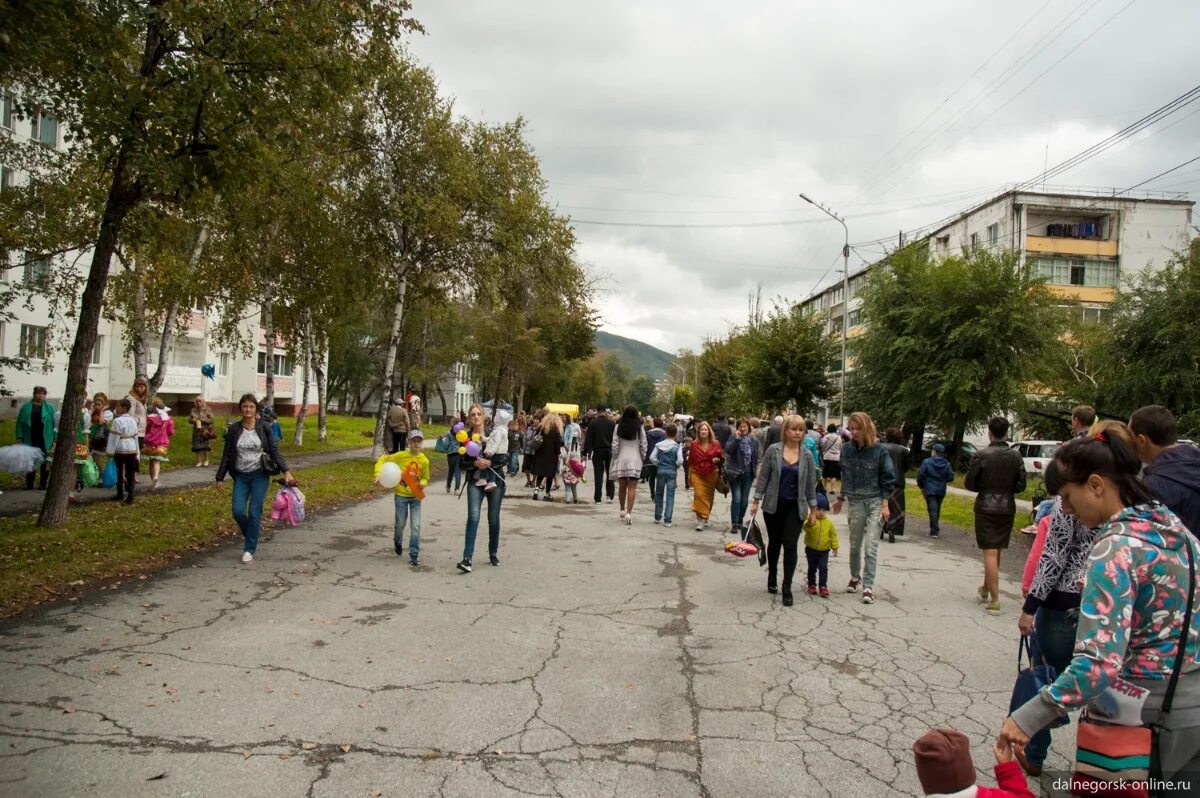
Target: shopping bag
109, 478
89, 473
741, 549
754, 536
1031, 679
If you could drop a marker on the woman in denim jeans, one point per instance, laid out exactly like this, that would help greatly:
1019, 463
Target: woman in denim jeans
868, 478
494, 455
740, 466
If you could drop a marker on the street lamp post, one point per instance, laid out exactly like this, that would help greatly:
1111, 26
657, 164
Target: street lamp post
845, 300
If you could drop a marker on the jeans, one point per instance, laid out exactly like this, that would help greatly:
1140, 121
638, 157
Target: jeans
570, 494
475, 497
934, 503
249, 492
783, 531
651, 472
1053, 642
664, 497
601, 460
739, 495
453, 472
408, 507
818, 566
514, 463
862, 515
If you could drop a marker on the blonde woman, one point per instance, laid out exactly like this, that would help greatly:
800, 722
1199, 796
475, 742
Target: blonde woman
494, 455
704, 467
868, 478
139, 397
545, 459
787, 491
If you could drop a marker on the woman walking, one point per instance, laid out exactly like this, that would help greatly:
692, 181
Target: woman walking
1139, 617
494, 455
704, 467
868, 478
453, 470
246, 445
629, 450
139, 397
546, 458
787, 490
204, 430
831, 457
741, 464
159, 430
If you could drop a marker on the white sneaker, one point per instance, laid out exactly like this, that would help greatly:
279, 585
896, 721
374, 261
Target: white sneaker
657, 521
666, 523
699, 527
247, 557
537, 494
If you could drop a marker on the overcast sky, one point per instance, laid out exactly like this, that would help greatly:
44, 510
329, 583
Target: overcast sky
892, 114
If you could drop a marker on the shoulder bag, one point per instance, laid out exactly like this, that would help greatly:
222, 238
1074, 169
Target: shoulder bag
1112, 759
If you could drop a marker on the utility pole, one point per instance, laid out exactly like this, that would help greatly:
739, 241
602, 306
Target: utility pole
845, 301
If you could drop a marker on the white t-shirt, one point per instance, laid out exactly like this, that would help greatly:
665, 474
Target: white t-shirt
249, 452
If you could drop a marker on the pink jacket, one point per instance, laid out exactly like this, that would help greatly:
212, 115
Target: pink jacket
1035, 554
159, 430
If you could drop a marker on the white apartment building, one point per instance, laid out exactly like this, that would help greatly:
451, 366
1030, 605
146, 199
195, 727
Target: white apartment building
1082, 241
455, 393
44, 340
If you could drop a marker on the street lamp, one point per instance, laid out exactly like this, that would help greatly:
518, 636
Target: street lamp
845, 299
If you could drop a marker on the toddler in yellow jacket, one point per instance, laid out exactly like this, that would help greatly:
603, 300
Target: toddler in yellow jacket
820, 538
414, 466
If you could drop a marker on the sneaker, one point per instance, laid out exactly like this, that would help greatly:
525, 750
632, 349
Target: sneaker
464, 566
537, 494
666, 523
706, 523
993, 607
488, 487
699, 526
787, 598
399, 550
983, 594
154, 484
853, 586
934, 535
812, 590
494, 560
658, 520
414, 562
129, 500
824, 592
868, 596
247, 557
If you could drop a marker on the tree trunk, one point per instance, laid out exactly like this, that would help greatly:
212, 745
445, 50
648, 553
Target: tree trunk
442, 399
164, 350
269, 334
918, 440
306, 354
318, 367
141, 341
121, 199
385, 395
521, 399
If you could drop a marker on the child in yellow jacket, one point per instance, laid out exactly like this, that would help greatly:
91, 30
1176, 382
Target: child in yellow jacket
820, 538
414, 466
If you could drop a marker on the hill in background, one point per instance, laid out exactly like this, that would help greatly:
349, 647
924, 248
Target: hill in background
640, 357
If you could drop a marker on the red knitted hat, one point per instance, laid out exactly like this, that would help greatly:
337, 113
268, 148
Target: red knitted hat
944, 762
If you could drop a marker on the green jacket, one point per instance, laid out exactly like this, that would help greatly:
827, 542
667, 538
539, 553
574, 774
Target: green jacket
25, 425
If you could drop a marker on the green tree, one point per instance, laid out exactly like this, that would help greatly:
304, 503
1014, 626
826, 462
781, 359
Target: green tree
617, 380
721, 387
785, 360
683, 399
951, 342
641, 393
170, 100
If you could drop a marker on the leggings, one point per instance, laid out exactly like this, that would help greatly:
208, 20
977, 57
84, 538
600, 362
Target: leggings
783, 531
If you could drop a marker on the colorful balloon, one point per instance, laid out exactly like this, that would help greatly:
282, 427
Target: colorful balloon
477, 437
472, 449
457, 426
462, 449
389, 475
461, 436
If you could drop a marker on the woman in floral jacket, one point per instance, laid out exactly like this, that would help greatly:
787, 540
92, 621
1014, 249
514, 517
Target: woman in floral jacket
1133, 603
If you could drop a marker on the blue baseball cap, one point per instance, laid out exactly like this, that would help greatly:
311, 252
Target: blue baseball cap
939, 448
822, 501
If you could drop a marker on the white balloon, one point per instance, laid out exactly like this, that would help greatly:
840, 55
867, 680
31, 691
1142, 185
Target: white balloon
389, 475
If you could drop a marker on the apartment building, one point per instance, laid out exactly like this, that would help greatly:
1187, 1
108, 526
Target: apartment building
43, 338
1082, 241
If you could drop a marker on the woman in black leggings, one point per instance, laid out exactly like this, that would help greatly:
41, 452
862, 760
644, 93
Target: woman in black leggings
787, 482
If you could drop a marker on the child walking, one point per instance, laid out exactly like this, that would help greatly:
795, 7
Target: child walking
945, 767
667, 456
572, 475
123, 448
160, 428
415, 467
820, 538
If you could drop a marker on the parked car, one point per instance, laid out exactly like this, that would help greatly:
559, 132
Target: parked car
960, 460
1037, 455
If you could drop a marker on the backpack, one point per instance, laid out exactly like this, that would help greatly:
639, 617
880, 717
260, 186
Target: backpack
445, 444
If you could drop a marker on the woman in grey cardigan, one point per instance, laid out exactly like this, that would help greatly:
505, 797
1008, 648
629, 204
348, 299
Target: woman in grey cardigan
786, 482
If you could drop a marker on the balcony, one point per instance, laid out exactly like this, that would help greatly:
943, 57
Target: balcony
1084, 247
1084, 293
182, 380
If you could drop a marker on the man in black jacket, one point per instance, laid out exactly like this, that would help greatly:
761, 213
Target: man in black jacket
597, 444
996, 474
893, 444
1172, 469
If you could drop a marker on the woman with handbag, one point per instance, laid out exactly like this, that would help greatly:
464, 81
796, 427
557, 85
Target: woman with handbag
204, 430
1137, 650
704, 460
546, 453
252, 457
787, 491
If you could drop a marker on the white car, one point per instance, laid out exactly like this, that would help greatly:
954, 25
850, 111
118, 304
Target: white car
1037, 454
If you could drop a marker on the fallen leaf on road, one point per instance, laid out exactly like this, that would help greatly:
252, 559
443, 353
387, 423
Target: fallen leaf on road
159, 777
297, 692
345, 748
68, 709
269, 689
362, 706
308, 746
285, 756
145, 662
630, 686
376, 793
149, 704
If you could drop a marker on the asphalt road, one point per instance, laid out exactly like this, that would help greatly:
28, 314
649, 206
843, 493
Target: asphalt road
597, 659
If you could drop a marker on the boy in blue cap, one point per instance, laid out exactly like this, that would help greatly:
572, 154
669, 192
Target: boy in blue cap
820, 538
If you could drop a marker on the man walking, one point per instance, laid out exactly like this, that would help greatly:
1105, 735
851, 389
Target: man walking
35, 427
894, 444
397, 424
597, 444
1082, 419
996, 474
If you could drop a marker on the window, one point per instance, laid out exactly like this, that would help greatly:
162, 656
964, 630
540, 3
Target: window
993, 234
6, 110
6, 178
223, 364
837, 296
1076, 271
835, 324
281, 364
44, 128
33, 342
855, 318
974, 240
1096, 314
98, 351
37, 270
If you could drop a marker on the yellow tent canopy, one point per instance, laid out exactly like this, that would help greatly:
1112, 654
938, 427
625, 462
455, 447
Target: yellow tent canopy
570, 410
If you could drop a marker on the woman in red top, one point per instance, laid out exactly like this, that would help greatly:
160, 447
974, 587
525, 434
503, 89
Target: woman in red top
704, 466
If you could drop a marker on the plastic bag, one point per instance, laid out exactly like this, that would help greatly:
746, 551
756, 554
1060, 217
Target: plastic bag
288, 506
21, 459
89, 473
109, 478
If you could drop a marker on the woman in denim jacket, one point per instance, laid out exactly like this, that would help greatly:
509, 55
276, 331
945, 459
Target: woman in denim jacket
868, 478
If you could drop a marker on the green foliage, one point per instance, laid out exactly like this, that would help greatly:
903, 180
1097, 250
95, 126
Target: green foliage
784, 359
950, 342
616, 381
683, 399
722, 390
641, 393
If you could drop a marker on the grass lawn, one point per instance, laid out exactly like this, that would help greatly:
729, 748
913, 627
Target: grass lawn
957, 510
107, 540
1031, 484
342, 432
